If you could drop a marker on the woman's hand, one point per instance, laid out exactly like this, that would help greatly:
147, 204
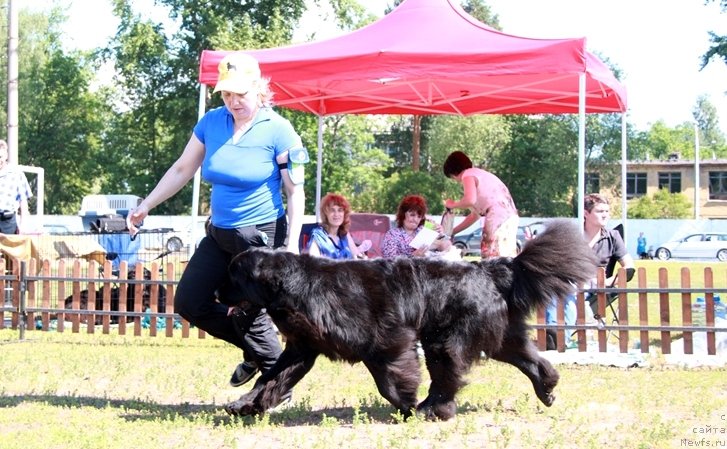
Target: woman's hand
135, 217
449, 204
421, 252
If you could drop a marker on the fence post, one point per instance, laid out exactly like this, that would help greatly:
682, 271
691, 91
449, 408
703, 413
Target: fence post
709, 311
76, 299
664, 311
123, 296
643, 311
138, 298
45, 269
581, 320
93, 271
169, 308
21, 308
601, 298
61, 318
106, 298
686, 297
623, 312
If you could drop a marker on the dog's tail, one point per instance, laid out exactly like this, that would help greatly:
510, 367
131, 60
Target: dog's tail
552, 265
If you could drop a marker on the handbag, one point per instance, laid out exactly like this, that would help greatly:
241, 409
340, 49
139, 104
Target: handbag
447, 222
109, 224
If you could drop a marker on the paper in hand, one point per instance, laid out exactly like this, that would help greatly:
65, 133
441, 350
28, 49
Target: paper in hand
424, 237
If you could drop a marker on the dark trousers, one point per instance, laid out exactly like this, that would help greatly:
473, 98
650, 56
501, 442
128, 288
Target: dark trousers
9, 225
206, 273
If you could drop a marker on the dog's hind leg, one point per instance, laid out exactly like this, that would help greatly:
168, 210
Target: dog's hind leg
518, 350
272, 386
397, 378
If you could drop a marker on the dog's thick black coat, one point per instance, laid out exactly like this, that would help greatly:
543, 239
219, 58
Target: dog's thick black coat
374, 311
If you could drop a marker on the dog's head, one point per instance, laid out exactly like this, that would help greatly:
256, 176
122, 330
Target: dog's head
258, 276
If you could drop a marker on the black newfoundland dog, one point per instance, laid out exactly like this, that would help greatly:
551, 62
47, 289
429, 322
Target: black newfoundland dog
374, 311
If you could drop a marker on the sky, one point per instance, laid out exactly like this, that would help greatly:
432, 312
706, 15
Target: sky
657, 44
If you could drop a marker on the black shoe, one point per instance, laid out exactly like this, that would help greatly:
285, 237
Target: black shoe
243, 373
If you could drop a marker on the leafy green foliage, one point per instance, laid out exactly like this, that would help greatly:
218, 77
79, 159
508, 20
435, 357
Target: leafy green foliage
434, 189
661, 205
719, 43
62, 132
481, 137
122, 137
539, 164
352, 166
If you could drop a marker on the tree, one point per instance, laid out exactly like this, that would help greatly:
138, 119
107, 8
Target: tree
60, 118
434, 189
663, 141
539, 164
353, 166
719, 43
482, 137
662, 204
710, 136
143, 143
62, 133
159, 79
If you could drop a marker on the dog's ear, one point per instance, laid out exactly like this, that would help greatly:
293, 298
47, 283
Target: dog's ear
259, 274
244, 280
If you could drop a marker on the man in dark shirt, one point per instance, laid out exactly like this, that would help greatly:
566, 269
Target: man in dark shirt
609, 248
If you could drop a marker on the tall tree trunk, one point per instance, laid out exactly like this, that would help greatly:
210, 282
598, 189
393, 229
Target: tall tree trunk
416, 129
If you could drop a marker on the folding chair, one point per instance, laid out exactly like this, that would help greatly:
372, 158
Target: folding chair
370, 227
305, 231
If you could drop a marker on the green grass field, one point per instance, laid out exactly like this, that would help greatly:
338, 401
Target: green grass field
106, 391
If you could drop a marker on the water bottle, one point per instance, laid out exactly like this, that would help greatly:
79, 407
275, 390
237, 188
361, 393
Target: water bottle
447, 222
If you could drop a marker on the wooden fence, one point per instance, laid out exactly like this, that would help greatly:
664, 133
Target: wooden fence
47, 298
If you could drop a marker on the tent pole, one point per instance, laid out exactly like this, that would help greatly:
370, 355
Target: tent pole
696, 171
319, 168
581, 145
197, 175
624, 202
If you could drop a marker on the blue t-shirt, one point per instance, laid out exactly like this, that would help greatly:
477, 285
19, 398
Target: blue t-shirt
245, 178
328, 247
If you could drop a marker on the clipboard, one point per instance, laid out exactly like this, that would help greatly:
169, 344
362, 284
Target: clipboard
425, 237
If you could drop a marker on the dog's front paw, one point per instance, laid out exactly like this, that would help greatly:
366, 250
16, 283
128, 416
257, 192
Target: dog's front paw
242, 407
545, 391
548, 399
432, 411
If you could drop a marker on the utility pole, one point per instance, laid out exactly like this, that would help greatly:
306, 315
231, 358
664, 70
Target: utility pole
13, 82
696, 171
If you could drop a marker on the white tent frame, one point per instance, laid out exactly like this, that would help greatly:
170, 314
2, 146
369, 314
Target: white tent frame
581, 157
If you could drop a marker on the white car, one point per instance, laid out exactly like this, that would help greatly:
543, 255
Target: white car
706, 245
177, 240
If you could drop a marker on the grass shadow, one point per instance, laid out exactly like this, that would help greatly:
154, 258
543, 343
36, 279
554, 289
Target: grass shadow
297, 414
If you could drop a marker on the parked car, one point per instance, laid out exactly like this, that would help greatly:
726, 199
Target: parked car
177, 240
707, 245
469, 244
55, 229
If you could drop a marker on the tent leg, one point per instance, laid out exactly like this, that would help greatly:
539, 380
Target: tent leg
319, 167
581, 145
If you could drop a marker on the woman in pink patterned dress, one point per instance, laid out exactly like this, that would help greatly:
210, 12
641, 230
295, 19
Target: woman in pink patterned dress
485, 196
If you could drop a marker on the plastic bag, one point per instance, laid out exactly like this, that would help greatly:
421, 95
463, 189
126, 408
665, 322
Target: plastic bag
447, 222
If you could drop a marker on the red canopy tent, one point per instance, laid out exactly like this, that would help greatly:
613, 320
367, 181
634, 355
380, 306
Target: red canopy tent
431, 57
